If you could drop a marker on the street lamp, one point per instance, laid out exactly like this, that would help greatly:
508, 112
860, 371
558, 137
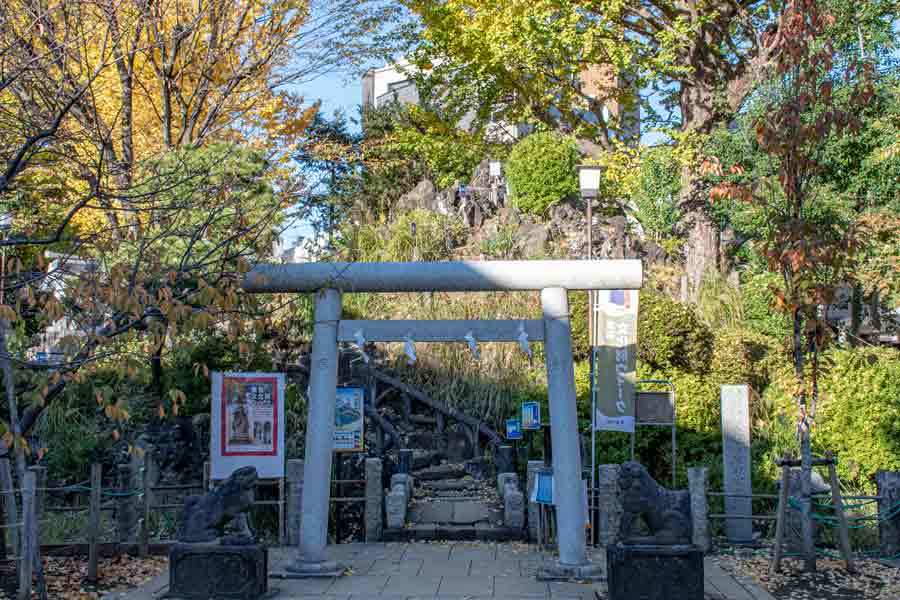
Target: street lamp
589, 177
589, 183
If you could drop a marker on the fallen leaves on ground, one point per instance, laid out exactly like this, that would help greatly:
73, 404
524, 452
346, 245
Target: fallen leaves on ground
831, 581
66, 576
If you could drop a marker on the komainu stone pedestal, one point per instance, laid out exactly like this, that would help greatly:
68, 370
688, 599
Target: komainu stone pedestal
650, 572
204, 571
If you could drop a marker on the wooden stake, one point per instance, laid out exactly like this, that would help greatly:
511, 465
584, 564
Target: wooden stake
10, 507
843, 529
26, 553
782, 514
94, 523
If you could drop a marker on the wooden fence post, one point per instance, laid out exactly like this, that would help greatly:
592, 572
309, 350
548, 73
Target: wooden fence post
26, 552
94, 522
127, 502
10, 507
782, 513
40, 482
148, 481
843, 529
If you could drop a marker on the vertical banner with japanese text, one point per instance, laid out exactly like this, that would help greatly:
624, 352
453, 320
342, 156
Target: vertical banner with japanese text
615, 340
247, 424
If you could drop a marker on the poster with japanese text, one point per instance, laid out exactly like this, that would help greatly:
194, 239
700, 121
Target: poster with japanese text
349, 420
247, 424
615, 319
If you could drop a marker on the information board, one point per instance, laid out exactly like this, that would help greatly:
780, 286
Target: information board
247, 424
531, 415
513, 429
349, 420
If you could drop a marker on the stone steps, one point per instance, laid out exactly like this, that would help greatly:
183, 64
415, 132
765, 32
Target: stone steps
454, 511
439, 472
463, 484
426, 532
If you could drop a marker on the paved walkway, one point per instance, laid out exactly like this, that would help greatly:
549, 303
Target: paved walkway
445, 571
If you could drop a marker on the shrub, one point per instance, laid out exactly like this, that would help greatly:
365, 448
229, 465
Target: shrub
542, 171
858, 416
671, 334
756, 303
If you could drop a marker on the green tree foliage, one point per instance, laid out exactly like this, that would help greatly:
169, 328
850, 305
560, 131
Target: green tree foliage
671, 334
541, 171
449, 153
656, 193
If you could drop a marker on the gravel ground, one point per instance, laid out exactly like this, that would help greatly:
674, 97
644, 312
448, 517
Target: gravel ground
872, 580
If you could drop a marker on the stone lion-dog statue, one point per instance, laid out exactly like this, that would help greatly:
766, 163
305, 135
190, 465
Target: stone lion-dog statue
667, 513
204, 518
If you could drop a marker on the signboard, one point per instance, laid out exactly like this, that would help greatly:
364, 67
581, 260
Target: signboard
543, 487
655, 408
531, 415
349, 420
513, 429
247, 424
615, 336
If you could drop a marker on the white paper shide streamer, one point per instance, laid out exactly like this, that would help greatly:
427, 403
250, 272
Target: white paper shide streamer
523, 340
409, 347
361, 344
473, 344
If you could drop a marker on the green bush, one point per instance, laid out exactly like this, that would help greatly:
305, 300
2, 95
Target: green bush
858, 416
671, 334
542, 170
756, 303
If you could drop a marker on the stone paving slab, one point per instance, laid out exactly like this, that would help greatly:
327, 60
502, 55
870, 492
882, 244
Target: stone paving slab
445, 571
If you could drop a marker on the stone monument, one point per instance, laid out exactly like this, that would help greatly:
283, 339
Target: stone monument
216, 555
661, 564
735, 402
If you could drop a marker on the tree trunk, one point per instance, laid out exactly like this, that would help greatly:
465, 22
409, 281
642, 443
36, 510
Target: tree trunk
10, 385
809, 549
701, 248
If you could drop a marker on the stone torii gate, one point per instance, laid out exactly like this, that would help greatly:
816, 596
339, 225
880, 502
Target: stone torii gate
552, 277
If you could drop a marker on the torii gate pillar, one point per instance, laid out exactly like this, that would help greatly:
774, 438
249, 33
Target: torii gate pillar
552, 278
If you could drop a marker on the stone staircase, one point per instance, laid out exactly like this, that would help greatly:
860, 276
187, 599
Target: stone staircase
449, 501
441, 486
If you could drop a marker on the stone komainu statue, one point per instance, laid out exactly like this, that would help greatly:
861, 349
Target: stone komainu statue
204, 517
666, 512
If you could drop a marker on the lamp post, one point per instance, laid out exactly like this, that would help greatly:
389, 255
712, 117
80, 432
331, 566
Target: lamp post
589, 183
495, 172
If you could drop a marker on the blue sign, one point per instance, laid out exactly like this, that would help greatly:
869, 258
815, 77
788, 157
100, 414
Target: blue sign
543, 487
513, 429
531, 415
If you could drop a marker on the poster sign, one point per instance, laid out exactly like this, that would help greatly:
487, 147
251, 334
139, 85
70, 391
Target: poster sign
531, 415
247, 424
543, 487
615, 324
513, 429
349, 420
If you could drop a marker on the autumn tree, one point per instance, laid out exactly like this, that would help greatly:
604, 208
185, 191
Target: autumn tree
581, 65
810, 251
